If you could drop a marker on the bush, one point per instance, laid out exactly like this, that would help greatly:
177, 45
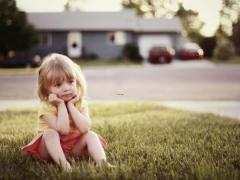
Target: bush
236, 36
208, 44
90, 56
20, 60
224, 50
131, 51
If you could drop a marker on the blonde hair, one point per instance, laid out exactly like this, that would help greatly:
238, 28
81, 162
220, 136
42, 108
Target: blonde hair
55, 69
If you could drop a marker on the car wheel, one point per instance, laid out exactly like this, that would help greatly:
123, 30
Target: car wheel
168, 61
162, 60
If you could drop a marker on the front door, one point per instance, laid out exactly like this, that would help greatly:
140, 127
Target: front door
74, 44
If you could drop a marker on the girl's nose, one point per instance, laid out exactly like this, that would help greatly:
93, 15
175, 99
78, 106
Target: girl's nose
66, 87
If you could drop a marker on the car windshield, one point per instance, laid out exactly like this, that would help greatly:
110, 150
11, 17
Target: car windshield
191, 50
191, 46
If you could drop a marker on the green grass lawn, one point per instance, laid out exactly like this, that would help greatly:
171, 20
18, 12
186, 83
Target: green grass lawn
146, 141
8, 71
99, 63
233, 60
106, 63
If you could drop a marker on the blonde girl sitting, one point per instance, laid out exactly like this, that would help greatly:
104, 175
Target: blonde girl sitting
64, 122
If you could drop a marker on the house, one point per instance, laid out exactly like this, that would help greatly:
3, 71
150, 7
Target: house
101, 34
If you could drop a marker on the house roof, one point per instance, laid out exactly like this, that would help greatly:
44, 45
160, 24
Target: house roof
159, 24
95, 21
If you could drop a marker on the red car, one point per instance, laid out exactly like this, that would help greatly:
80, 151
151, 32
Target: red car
161, 54
190, 51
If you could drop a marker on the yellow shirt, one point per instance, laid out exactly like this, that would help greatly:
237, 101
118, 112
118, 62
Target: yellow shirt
49, 109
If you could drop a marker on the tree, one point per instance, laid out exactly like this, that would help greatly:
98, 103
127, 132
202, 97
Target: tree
73, 5
156, 8
208, 45
228, 29
15, 32
236, 36
229, 20
153, 8
191, 23
229, 15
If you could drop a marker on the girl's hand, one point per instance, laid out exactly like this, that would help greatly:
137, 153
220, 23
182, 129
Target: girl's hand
74, 99
53, 99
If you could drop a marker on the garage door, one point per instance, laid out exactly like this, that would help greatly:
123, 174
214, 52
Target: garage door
145, 42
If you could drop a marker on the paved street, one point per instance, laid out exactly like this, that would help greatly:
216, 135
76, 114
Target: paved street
166, 82
178, 82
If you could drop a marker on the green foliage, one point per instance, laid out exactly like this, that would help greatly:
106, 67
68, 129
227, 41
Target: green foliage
131, 51
136, 5
15, 32
228, 16
233, 61
163, 8
145, 141
192, 25
224, 51
236, 36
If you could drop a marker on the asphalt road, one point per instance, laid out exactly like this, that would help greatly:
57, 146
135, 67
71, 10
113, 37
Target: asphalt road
188, 81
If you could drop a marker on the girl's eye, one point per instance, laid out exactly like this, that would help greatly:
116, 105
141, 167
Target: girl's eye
71, 81
57, 85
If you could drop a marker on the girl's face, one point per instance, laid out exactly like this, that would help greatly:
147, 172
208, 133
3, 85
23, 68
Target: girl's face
65, 90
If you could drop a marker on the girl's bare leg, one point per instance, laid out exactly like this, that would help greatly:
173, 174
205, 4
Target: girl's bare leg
43, 150
50, 146
94, 146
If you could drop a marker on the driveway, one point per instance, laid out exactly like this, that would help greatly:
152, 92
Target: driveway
193, 81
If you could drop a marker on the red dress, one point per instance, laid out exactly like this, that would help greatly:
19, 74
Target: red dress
67, 143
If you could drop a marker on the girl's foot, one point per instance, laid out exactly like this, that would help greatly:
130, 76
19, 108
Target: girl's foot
104, 163
110, 165
67, 167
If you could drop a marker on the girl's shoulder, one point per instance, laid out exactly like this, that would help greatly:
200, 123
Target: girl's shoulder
46, 108
45, 104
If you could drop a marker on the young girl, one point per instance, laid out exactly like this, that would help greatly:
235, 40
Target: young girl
64, 122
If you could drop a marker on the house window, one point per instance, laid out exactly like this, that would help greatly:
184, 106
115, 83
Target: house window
117, 38
45, 40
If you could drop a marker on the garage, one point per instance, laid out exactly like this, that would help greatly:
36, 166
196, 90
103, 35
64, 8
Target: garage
145, 42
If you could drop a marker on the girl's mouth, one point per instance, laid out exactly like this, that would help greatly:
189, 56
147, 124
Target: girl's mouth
68, 96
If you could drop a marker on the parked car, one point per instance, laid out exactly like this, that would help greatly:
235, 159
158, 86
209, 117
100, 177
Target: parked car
190, 51
35, 61
161, 54
17, 60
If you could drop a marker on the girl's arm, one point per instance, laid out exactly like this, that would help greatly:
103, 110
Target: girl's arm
81, 120
60, 122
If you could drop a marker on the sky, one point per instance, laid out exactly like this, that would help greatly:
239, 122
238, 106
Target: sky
208, 13
208, 9
57, 5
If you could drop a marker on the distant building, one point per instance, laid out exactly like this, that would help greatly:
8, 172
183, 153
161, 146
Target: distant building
101, 34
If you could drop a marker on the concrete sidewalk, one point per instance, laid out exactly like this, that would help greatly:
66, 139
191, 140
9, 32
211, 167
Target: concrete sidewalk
223, 108
18, 104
